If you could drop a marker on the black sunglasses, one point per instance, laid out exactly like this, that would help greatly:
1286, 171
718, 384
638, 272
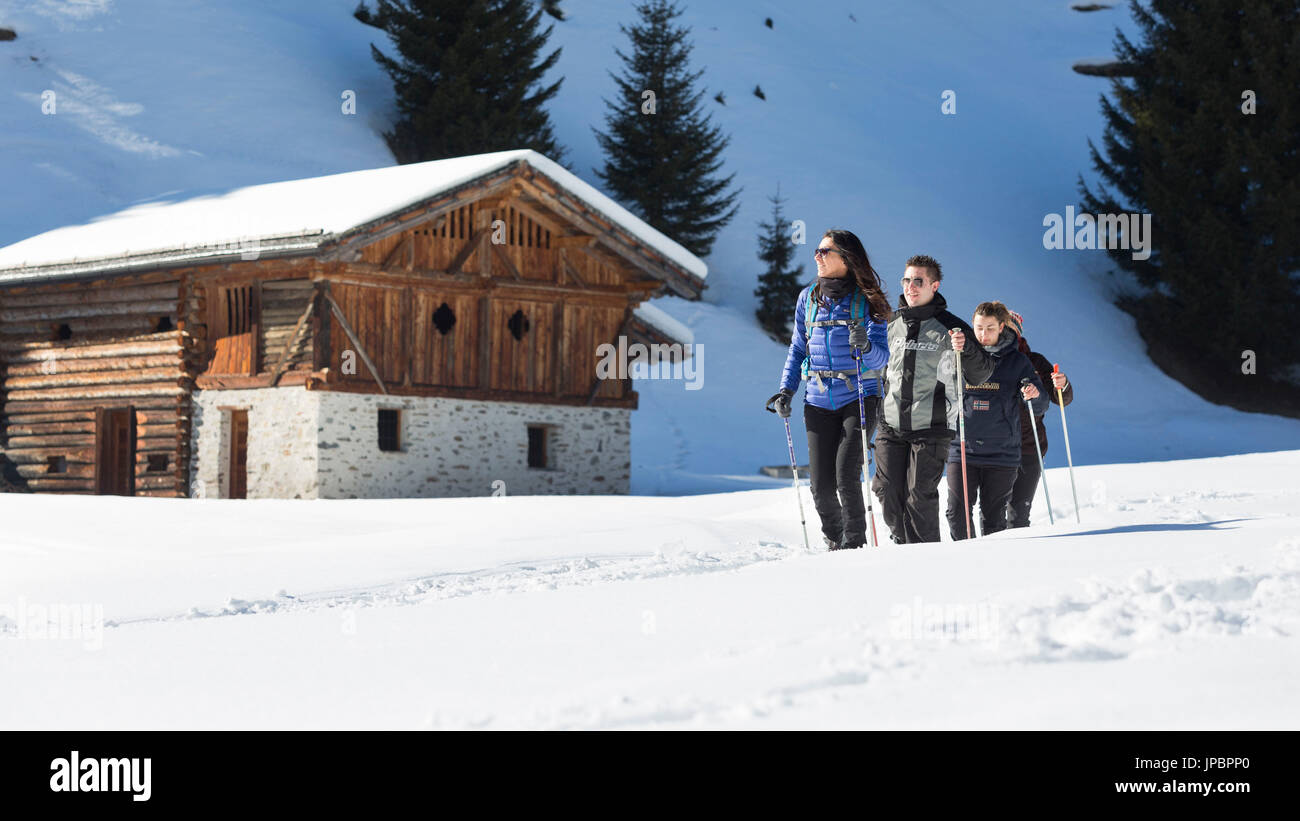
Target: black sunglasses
821, 252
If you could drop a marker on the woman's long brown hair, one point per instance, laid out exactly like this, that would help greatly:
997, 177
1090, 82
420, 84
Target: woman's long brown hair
859, 265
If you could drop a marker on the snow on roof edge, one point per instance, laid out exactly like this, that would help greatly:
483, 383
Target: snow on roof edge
464, 172
658, 318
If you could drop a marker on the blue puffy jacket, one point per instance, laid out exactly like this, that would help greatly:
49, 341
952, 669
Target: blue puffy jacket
992, 407
827, 349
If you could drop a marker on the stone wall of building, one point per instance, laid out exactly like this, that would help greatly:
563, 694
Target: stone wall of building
325, 444
461, 447
282, 435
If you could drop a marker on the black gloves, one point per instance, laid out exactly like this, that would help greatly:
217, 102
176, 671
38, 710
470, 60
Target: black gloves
858, 339
781, 399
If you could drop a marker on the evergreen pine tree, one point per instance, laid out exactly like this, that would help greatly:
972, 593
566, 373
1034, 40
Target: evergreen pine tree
662, 152
467, 77
1220, 185
779, 286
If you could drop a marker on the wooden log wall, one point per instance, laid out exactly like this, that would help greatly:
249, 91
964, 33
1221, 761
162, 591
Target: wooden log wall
67, 349
283, 303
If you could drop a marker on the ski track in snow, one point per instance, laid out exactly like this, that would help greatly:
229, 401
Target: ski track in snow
516, 577
1109, 621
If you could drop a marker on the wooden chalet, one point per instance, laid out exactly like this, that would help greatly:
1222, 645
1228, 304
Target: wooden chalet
420, 330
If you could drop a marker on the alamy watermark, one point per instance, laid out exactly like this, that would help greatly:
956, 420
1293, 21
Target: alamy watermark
54, 621
944, 621
77, 774
655, 361
1088, 232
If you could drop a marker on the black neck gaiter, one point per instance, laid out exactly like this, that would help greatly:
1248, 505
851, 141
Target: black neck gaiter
835, 288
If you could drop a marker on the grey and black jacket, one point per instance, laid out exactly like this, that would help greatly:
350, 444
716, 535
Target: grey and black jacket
920, 393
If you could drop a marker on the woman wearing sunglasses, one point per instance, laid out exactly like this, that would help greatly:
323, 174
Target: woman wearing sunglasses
837, 320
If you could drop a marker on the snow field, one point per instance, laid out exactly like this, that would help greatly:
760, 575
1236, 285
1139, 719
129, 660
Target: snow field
1171, 609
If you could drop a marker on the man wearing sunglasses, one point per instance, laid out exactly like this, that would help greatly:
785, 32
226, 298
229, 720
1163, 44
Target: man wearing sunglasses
918, 415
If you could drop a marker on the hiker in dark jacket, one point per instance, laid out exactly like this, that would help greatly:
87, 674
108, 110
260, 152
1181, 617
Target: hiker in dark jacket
992, 409
844, 312
918, 415
1022, 493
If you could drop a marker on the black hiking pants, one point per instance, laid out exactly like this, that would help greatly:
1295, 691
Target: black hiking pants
908, 469
835, 468
1022, 492
990, 485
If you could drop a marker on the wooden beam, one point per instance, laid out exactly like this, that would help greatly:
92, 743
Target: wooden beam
14, 409
483, 223
505, 259
289, 344
495, 395
103, 377
574, 241
170, 387
361, 351
105, 293
643, 285
556, 225
397, 251
255, 326
320, 328
468, 248
596, 380
570, 270
408, 309
484, 343
557, 356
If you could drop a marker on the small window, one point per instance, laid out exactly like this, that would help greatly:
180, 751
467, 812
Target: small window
64, 331
518, 325
158, 463
537, 446
163, 325
444, 318
390, 429
57, 464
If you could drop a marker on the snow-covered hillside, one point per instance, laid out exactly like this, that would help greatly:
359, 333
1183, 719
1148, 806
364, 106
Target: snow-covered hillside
159, 101
1176, 604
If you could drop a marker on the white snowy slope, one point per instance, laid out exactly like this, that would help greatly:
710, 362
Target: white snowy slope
1176, 604
164, 102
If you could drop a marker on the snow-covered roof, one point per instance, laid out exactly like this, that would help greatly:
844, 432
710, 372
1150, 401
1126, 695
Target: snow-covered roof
288, 217
659, 319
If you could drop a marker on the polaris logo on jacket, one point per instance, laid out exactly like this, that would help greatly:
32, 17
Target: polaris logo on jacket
912, 345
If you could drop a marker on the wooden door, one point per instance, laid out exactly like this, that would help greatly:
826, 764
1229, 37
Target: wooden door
115, 451
239, 454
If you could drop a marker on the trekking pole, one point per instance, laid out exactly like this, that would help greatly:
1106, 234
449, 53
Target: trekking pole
794, 472
866, 459
961, 432
1060, 400
1042, 472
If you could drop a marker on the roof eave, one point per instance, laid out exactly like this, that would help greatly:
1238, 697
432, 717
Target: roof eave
255, 249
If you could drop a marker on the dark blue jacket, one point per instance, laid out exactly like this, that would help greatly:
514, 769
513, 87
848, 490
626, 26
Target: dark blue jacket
992, 408
827, 349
